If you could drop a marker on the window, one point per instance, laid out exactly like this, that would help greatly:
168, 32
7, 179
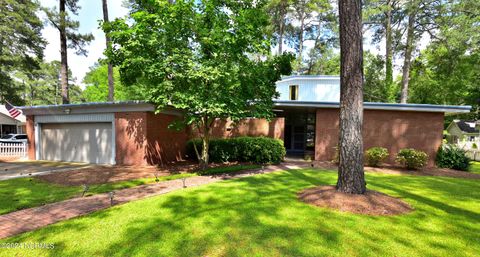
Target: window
472, 139
294, 92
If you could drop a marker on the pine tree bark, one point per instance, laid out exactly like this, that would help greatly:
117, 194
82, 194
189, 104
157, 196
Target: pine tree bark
388, 46
350, 171
111, 87
63, 53
281, 25
408, 58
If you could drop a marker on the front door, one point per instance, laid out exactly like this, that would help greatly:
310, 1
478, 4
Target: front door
299, 132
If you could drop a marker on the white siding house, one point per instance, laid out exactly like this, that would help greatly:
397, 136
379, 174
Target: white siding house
10, 125
310, 88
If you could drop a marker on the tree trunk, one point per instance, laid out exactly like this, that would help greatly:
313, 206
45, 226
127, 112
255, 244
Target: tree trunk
350, 171
63, 53
388, 48
408, 57
281, 25
204, 158
300, 41
110, 67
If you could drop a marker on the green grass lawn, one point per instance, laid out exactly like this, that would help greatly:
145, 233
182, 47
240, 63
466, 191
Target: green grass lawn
475, 167
261, 216
21, 193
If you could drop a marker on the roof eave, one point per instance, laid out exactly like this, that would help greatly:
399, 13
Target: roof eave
380, 106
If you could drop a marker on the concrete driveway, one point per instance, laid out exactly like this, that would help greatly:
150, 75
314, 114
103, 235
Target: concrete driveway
17, 169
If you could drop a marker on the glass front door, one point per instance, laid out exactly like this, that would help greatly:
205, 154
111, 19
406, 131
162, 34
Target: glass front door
299, 132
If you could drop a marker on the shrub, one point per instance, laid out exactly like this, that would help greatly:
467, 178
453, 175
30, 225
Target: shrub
411, 158
245, 149
452, 157
474, 146
375, 156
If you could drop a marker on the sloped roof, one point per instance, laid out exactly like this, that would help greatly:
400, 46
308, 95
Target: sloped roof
21, 118
465, 126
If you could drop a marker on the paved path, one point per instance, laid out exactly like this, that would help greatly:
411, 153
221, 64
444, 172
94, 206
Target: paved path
20, 169
30, 219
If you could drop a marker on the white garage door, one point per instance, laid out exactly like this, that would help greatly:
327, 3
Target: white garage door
76, 142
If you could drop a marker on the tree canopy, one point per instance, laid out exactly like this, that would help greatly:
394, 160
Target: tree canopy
208, 58
21, 44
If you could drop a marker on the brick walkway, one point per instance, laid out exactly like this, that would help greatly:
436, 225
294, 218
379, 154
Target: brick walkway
30, 219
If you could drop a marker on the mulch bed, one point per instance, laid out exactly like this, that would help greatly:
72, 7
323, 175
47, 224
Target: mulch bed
402, 171
370, 203
105, 174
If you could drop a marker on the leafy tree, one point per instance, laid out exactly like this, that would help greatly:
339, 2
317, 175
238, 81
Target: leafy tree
69, 37
375, 89
351, 178
280, 20
208, 58
42, 86
323, 61
383, 17
97, 82
448, 71
21, 44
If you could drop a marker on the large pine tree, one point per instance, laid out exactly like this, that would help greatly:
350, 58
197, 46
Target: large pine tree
69, 37
350, 170
21, 44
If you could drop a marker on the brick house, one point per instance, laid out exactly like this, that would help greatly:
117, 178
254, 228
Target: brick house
130, 133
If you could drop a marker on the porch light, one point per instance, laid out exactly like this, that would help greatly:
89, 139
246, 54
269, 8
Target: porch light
67, 111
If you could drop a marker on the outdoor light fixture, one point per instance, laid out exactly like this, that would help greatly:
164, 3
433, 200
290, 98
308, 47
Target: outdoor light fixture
183, 180
67, 111
111, 194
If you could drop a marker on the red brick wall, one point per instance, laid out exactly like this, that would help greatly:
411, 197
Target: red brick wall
144, 139
249, 127
164, 145
393, 130
30, 131
130, 138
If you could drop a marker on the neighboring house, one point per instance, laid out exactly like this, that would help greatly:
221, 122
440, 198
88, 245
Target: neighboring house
464, 133
9, 125
130, 133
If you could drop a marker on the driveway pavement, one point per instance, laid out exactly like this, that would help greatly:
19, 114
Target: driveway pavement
18, 169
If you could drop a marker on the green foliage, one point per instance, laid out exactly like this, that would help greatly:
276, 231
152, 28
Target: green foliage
447, 71
452, 157
474, 146
97, 86
228, 169
42, 86
411, 158
209, 58
375, 89
21, 44
375, 156
244, 149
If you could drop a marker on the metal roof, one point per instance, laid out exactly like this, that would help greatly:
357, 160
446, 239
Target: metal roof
379, 106
145, 106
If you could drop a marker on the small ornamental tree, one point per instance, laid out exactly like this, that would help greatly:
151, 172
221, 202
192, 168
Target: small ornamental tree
209, 58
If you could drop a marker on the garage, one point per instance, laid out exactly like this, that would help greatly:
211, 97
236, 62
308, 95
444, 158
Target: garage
76, 142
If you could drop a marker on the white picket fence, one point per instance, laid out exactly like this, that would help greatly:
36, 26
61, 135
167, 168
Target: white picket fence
473, 155
13, 149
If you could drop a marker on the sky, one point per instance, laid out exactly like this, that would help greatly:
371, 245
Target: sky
89, 16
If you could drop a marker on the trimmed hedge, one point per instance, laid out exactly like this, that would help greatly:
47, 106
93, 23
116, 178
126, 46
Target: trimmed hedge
452, 157
244, 149
411, 158
375, 156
